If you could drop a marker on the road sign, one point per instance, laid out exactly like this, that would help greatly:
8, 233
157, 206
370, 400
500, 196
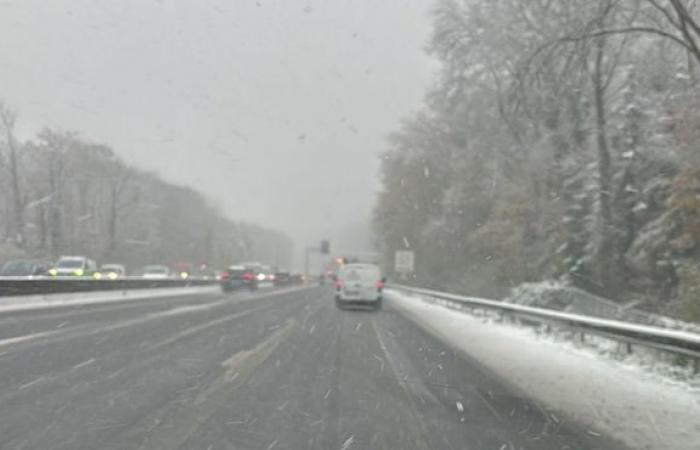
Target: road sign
404, 261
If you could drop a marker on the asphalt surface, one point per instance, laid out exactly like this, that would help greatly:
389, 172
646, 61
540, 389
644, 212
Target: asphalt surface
270, 370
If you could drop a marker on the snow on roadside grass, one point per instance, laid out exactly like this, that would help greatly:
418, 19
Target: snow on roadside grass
666, 364
560, 296
644, 410
44, 301
30, 302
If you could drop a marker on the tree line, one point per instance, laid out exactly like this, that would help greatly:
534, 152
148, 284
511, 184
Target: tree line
560, 141
63, 194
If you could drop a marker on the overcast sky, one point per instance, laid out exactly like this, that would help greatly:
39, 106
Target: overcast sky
276, 110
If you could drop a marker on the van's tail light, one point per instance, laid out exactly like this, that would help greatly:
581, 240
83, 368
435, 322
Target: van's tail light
380, 285
224, 276
248, 276
338, 285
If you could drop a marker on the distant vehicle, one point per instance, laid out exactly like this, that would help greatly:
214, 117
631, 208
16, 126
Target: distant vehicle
254, 266
156, 272
282, 278
113, 271
264, 276
359, 284
205, 271
23, 268
183, 269
73, 266
297, 278
237, 277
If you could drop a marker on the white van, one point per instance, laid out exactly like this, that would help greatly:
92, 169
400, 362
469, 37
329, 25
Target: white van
359, 283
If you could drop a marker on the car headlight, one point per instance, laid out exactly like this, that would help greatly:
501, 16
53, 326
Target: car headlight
53, 272
184, 275
79, 272
112, 275
97, 275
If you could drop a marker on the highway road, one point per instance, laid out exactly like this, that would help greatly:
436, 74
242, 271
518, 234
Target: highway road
270, 370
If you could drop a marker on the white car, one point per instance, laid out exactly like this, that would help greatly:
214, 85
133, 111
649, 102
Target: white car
156, 273
359, 284
73, 266
113, 271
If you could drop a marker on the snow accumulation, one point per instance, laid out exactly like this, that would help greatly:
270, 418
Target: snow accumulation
642, 409
28, 302
559, 296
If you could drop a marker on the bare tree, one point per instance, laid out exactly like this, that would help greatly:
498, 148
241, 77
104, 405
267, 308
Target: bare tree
8, 118
674, 20
118, 203
605, 241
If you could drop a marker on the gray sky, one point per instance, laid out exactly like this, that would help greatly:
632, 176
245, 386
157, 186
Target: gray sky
276, 110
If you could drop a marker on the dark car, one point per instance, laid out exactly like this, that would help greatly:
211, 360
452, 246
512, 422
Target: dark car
236, 278
282, 279
22, 268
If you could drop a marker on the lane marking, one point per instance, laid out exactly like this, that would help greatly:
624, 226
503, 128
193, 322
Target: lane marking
201, 327
187, 309
381, 363
411, 395
86, 329
65, 334
31, 383
176, 425
137, 297
83, 364
257, 355
26, 337
83, 330
348, 442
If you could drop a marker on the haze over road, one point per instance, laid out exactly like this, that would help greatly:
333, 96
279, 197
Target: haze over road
271, 109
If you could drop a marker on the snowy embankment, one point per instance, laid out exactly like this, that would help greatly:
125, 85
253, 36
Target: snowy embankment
643, 410
30, 302
560, 296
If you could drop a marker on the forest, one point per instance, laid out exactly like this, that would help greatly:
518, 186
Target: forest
558, 142
61, 193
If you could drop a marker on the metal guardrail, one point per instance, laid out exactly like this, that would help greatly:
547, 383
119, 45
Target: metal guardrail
678, 342
12, 286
